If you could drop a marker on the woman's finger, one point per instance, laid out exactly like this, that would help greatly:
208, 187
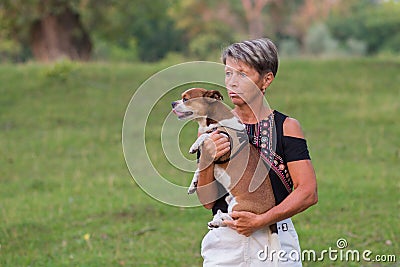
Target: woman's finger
230, 223
222, 150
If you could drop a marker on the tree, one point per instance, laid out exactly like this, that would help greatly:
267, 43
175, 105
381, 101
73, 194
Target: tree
308, 13
51, 28
154, 29
253, 11
148, 23
207, 25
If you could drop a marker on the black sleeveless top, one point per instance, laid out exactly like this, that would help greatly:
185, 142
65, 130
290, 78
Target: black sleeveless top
287, 147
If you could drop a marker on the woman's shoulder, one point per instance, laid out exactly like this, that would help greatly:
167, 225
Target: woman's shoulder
291, 126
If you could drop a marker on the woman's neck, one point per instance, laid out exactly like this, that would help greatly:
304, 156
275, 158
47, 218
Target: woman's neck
253, 114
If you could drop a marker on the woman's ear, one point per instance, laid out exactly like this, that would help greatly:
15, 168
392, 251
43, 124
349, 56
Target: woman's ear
268, 78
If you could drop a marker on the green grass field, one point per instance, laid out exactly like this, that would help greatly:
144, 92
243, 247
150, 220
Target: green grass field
67, 198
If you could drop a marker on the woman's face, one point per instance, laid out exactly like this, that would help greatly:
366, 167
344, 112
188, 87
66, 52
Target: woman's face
244, 83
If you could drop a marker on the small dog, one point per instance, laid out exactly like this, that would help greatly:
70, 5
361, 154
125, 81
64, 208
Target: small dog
242, 171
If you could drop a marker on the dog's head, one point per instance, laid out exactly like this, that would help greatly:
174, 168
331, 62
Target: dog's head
195, 103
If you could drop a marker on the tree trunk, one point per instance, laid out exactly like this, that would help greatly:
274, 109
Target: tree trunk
60, 35
253, 12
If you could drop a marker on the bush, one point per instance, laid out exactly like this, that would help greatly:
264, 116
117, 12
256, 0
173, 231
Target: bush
10, 50
320, 42
206, 46
376, 23
289, 48
113, 52
356, 47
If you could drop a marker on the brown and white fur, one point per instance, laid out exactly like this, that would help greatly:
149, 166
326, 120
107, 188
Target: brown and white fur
244, 176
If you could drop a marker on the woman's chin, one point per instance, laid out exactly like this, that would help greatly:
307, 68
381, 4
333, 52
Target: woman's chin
237, 101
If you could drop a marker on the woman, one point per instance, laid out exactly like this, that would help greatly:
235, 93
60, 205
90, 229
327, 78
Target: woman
292, 175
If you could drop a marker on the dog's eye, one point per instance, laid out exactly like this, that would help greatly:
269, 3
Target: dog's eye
185, 99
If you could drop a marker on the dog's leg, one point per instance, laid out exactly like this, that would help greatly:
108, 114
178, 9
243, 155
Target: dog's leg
222, 176
193, 184
194, 148
196, 145
219, 173
218, 220
229, 198
200, 140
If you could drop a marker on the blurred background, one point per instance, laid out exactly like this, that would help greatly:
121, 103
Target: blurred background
140, 30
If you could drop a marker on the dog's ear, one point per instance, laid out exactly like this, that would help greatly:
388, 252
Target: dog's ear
214, 94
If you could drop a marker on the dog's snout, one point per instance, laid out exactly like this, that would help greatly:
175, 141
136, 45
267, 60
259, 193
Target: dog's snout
174, 104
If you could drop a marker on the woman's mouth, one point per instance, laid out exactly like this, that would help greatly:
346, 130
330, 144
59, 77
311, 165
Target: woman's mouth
233, 94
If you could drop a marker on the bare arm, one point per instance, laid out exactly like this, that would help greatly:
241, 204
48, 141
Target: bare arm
206, 187
213, 148
303, 196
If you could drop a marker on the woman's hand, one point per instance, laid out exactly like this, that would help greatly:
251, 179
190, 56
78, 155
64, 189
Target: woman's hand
244, 222
215, 146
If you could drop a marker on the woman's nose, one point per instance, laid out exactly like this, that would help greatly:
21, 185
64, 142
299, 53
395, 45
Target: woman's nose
232, 81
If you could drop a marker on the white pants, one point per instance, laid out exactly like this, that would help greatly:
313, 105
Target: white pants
223, 246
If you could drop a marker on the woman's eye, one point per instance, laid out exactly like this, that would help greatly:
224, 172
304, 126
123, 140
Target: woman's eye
228, 73
242, 74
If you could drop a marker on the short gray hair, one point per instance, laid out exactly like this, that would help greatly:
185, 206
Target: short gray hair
261, 54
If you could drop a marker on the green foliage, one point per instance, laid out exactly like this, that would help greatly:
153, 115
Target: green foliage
67, 198
9, 49
61, 71
109, 51
113, 24
206, 46
157, 41
17, 16
383, 25
374, 23
132, 30
147, 22
205, 29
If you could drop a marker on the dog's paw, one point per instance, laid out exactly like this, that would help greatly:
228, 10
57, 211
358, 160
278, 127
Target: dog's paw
193, 149
215, 224
193, 184
218, 220
198, 143
192, 188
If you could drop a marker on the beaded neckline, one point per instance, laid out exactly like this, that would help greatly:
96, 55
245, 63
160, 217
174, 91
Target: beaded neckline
263, 136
